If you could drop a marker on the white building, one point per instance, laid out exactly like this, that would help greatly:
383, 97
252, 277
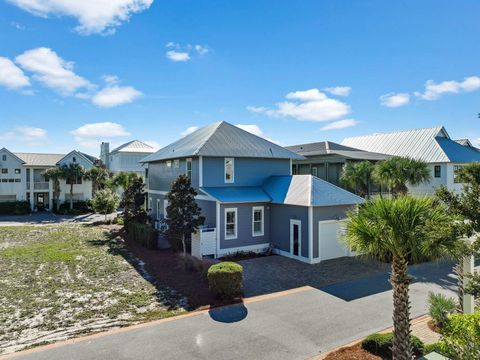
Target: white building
21, 177
126, 157
432, 145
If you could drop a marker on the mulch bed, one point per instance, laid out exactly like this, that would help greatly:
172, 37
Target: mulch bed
168, 268
431, 325
354, 352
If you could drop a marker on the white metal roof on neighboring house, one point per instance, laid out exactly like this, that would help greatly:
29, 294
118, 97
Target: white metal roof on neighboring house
307, 190
330, 148
134, 146
432, 145
224, 140
39, 159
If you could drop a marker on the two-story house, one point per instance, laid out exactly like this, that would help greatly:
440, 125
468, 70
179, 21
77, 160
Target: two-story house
249, 197
21, 177
126, 157
432, 145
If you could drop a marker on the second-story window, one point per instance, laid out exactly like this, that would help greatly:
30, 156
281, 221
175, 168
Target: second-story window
77, 180
438, 171
169, 164
456, 170
189, 169
18, 171
176, 164
4, 171
229, 170
4, 157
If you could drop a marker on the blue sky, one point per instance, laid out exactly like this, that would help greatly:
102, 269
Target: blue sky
74, 75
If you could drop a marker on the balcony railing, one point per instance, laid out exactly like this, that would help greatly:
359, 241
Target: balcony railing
39, 185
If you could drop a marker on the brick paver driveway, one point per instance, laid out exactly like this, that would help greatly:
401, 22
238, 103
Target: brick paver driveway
269, 274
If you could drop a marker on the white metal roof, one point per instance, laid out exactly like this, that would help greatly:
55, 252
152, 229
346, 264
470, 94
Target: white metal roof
222, 139
134, 146
330, 148
39, 159
307, 190
432, 145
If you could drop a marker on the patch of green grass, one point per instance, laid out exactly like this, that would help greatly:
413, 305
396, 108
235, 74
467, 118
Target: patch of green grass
71, 279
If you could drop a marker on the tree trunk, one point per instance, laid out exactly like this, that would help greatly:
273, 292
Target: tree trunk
458, 270
183, 245
401, 348
71, 195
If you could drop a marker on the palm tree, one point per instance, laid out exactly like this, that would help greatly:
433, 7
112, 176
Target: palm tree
71, 173
54, 174
401, 230
397, 172
99, 177
358, 176
124, 179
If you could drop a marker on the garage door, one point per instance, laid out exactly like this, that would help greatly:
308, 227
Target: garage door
330, 239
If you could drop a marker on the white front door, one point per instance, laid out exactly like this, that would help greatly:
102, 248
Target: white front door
295, 237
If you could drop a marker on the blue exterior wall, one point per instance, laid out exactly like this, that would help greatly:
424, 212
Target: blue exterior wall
244, 226
327, 213
280, 226
247, 172
160, 176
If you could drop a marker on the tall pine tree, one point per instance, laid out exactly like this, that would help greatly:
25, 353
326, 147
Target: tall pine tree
184, 214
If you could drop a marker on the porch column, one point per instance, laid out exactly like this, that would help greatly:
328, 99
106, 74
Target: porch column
32, 185
50, 195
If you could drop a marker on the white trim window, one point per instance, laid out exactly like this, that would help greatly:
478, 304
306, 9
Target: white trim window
176, 163
189, 169
231, 223
169, 163
229, 170
258, 221
158, 209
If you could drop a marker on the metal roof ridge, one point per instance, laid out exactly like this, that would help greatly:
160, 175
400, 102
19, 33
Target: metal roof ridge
197, 151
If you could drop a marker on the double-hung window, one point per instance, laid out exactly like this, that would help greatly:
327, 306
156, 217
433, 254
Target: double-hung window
229, 170
438, 171
230, 224
189, 169
176, 163
257, 221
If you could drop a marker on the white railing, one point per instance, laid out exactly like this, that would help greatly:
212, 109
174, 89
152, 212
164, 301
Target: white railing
40, 185
204, 242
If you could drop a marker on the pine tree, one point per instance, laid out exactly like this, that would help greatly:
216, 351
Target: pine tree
184, 214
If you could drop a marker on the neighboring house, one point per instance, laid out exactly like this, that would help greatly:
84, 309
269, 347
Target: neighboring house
249, 197
432, 145
126, 157
21, 177
326, 159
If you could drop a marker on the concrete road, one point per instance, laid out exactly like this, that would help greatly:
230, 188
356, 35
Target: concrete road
298, 325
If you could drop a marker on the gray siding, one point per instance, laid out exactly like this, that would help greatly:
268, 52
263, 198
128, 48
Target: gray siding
280, 226
244, 226
326, 213
160, 176
208, 208
248, 171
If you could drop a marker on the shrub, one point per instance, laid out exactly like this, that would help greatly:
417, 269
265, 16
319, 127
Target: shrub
79, 208
461, 336
144, 234
225, 280
435, 347
440, 307
381, 345
193, 264
15, 208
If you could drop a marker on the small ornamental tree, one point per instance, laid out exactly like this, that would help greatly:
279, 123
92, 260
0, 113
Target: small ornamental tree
466, 206
183, 212
133, 202
105, 202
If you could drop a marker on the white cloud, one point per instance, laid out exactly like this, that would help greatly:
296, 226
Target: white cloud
339, 90
434, 90
94, 16
341, 124
308, 105
11, 75
28, 134
252, 128
189, 130
257, 109
115, 95
202, 50
91, 135
52, 71
395, 99
155, 145
177, 55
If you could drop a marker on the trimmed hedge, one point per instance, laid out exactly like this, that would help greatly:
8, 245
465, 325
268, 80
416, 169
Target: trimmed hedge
381, 345
435, 347
225, 280
144, 234
79, 208
15, 208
